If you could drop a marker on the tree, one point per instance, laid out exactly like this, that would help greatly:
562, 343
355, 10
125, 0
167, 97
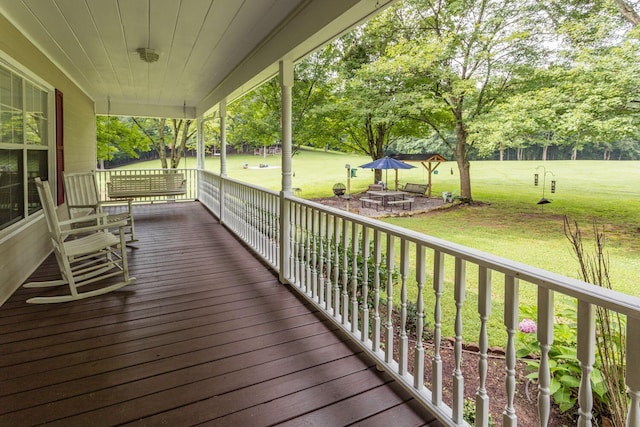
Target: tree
117, 139
456, 60
157, 132
364, 108
255, 118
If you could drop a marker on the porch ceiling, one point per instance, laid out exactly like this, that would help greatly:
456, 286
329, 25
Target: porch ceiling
208, 49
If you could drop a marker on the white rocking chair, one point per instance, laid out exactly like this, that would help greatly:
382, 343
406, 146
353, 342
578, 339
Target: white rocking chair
95, 255
83, 197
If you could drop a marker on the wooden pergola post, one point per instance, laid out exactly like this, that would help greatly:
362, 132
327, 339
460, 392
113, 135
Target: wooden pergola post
426, 160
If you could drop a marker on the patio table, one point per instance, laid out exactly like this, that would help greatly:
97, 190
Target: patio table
387, 195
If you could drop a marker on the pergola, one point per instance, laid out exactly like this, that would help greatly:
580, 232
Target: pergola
427, 160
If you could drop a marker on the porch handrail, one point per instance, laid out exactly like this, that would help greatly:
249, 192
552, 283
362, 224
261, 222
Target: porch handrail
348, 266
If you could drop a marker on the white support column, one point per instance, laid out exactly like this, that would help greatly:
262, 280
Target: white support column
200, 152
223, 157
223, 137
286, 83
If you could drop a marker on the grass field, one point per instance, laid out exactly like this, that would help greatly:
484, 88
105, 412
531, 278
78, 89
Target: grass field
508, 223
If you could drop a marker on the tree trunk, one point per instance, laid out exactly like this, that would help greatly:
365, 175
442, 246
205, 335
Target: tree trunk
574, 154
501, 151
162, 150
377, 136
627, 12
544, 152
463, 162
178, 148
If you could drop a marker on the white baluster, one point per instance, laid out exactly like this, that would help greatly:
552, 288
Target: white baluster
511, 313
377, 254
323, 236
308, 213
329, 269
314, 253
436, 362
390, 259
354, 277
403, 341
302, 257
545, 338
458, 379
586, 352
336, 268
365, 284
418, 361
345, 270
296, 242
633, 375
484, 310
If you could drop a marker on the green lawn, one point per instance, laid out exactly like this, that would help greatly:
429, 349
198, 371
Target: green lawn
509, 223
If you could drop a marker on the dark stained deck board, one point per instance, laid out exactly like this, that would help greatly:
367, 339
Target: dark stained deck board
206, 335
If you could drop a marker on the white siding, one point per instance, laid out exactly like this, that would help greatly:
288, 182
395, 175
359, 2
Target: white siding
22, 250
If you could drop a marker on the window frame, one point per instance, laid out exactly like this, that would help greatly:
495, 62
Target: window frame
30, 78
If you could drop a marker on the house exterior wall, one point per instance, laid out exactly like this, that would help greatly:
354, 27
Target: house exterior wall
22, 249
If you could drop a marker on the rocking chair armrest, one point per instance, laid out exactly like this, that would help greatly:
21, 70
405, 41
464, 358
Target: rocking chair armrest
80, 206
121, 224
86, 218
117, 202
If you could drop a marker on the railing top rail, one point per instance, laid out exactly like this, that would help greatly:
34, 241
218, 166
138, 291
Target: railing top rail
583, 291
153, 170
245, 184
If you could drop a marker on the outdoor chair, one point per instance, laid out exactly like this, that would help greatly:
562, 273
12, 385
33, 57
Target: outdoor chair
96, 255
83, 197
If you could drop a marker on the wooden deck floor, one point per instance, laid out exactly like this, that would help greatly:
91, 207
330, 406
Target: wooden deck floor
207, 335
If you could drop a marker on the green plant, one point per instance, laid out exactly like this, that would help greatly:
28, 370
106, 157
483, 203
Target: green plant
610, 325
469, 412
563, 361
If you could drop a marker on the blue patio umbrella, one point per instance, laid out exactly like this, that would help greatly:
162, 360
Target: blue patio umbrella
387, 163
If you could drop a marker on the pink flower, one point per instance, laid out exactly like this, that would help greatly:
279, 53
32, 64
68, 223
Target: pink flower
527, 326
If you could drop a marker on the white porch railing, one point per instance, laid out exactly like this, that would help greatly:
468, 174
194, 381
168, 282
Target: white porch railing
351, 268
191, 175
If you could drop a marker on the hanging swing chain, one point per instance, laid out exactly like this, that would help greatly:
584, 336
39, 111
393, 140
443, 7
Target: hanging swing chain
184, 130
109, 128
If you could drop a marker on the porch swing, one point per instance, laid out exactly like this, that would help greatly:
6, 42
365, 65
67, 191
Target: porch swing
129, 186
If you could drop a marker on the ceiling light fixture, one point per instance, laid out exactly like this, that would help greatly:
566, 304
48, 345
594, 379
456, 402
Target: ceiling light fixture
148, 55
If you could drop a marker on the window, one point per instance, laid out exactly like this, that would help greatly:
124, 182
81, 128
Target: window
24, 143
